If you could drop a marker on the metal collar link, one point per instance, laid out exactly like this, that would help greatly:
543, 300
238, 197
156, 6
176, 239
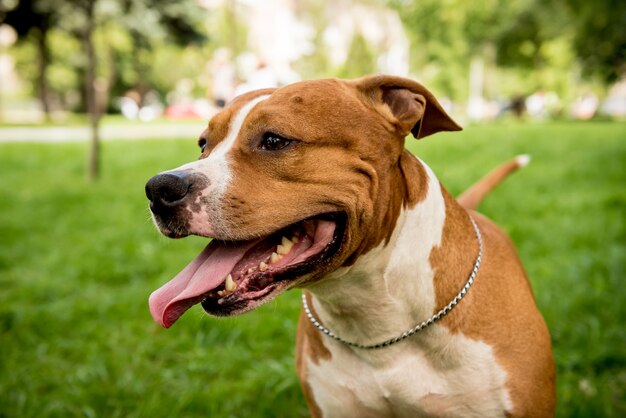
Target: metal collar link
418, 327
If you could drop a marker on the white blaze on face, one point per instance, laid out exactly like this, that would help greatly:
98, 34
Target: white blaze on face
215, 166
217, 170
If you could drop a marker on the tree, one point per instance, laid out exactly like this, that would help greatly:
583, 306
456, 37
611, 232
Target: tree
144, 19
93, 162
448, 35
36, 18
599, 29
154, 24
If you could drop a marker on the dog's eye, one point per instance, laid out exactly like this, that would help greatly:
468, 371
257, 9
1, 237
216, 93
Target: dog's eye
273, 142
202, 144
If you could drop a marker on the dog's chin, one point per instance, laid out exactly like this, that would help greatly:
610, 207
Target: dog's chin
172, 230
233, 277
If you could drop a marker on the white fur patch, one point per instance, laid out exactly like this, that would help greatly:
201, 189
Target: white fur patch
523, 160
386, 292
216, 168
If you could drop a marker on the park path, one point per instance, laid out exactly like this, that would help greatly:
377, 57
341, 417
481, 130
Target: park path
126, 131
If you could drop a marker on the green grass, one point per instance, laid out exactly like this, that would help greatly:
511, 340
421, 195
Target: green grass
78, 261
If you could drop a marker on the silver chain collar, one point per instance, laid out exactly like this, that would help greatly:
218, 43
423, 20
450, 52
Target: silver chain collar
418, 327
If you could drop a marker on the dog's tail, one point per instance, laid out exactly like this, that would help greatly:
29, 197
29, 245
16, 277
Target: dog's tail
472, 197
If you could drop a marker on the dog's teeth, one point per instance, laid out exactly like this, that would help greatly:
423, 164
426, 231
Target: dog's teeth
274, 258
262, 266
250, 270
285, 246
230, 284
221, 293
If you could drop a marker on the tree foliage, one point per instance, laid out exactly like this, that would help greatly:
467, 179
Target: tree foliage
142, 23
543, 37
129, 36
533, 44
599, 29
34, 19
447, 34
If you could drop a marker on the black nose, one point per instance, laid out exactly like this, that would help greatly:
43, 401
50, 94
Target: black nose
168, 189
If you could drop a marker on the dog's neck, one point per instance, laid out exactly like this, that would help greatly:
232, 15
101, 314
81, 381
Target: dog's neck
395, 286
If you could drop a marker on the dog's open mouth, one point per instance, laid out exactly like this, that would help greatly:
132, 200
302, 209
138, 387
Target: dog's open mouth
237, 276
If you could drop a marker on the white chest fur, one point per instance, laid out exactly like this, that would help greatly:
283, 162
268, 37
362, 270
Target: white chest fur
454, 376
388, 291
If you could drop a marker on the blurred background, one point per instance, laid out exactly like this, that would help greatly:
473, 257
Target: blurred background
146, 60
96, 96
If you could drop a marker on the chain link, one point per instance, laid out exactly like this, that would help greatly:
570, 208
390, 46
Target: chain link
436, 317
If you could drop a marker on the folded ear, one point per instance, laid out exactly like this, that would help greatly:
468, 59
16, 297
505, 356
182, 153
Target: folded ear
406, 104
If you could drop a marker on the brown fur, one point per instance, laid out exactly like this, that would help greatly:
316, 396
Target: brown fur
373, 186
347, 154
471, 198
499, 310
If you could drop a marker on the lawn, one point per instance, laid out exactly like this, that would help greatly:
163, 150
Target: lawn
78, 261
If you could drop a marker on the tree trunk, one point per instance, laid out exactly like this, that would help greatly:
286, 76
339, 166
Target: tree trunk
93, 163
476, 103
42, 76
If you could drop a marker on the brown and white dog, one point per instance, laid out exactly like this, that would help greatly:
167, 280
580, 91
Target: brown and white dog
310, 186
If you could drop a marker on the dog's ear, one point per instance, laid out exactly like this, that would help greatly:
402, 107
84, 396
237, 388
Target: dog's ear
407, 104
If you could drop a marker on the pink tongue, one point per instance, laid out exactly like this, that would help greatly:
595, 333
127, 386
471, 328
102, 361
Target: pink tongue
206, 272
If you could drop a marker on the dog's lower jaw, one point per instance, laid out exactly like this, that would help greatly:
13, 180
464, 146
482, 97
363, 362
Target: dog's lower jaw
452, 368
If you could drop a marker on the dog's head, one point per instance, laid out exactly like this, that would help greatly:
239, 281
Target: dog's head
291, 184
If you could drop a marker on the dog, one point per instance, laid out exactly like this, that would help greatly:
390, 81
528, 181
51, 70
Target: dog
414, 304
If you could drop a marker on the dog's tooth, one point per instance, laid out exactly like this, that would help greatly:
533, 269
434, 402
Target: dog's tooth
262, 266
221, 293
251, 270
285, 246
295, 239
284, 249
230, 284
274, 258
